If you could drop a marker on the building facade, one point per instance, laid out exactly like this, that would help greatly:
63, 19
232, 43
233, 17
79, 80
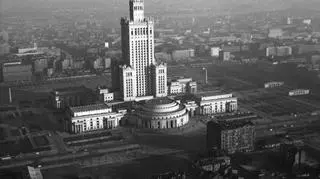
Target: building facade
224, 56
231, 136
128, 83
63, 98
159, 79
273, 84
216, 103
137, 37
16, 72
92, 117
160, 113
280, 51
104, 95
182, 86
183, 54
299, 92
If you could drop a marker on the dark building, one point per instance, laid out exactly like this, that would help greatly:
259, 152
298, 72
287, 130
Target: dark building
16, 72
115, 74
71, 97
231, 136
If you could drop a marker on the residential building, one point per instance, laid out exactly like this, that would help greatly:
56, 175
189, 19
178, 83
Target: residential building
214, 103
224, 56
231, 136
92, 117
178, 55
275, 33
215, 51
299, 92
279, 51
16, 72
39, 65
273, 84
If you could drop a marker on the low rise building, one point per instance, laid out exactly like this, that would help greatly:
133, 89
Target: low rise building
104, 94
182, 86
215, 51
273, 84
69, 97
16, 72
231, 136
224, 56
280, 51
160, 113
183, 54
92, 117
275, 33
299, 92
214, 103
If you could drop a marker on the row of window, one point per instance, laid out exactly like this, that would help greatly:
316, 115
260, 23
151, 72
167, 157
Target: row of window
141, 31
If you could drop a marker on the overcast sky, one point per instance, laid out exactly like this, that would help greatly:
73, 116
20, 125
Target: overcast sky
7, 4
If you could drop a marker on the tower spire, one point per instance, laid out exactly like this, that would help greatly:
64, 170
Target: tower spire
136, 10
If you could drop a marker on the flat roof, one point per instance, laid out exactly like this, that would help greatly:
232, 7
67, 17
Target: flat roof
71, 89
92, 107
228, 125
211, 93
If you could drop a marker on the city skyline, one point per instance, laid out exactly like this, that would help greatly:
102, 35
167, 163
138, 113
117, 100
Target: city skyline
182, 89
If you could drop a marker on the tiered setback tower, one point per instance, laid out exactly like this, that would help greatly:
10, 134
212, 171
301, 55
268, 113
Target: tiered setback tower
137, 35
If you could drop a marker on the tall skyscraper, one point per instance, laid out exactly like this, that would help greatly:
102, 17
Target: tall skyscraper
137, 69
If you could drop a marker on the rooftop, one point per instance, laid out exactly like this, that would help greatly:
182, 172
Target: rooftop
210, 93
92, 107
71, 89
229, 125
159, 101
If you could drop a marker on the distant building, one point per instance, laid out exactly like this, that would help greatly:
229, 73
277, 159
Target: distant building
215, 51
4, 48
303, 49
66, 64
213, 165
101, 63
33, 173
275, 33
299, 92
224, 56
231, 136
307, 21
234, 48
280, 51
39, 65
178, 55
104, 95
92, 117
70, 97
182, 86
163, 56
16, 72
273, 84
204, 75
216, 103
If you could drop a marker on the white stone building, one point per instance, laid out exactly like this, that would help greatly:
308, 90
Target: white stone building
92, 117
216, 103
137, 35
